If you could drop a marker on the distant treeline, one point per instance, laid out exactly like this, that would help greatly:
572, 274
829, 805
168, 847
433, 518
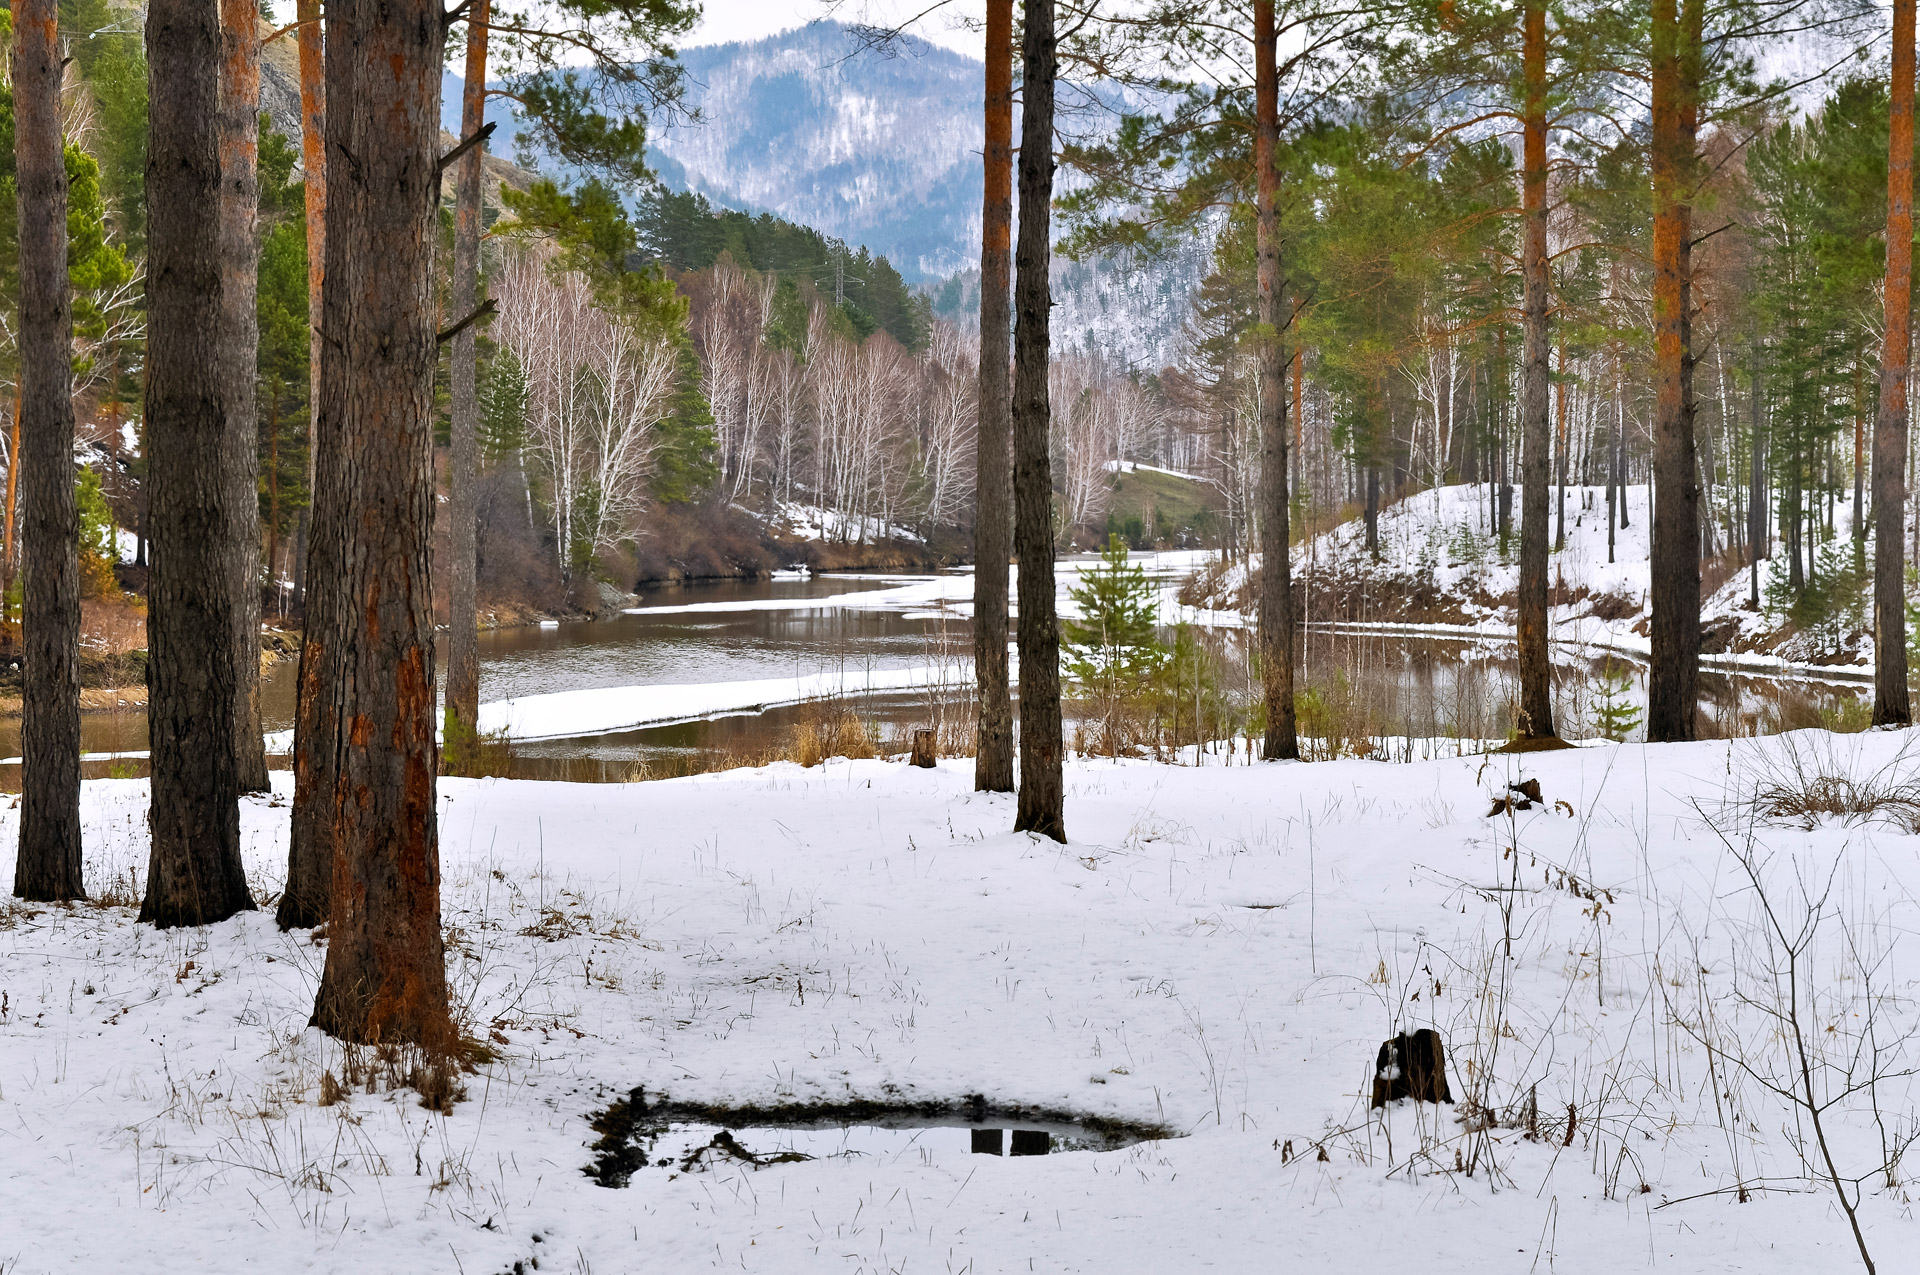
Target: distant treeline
685, 232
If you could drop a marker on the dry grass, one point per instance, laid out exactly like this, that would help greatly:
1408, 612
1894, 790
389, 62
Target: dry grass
1807, 779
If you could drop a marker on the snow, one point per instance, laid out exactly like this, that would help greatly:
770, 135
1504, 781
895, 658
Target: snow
1443, 535
1219, 949
814, 522
1134, 467
566, 714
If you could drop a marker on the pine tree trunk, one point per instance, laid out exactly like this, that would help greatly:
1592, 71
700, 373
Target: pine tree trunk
1560, 453
239, 363
1042, 787
194, 876
371, 618
308, 898
48, 866
1672, 681
1890, 704
993, 483
463, 459
1536, 665
1276, 567
1758, 541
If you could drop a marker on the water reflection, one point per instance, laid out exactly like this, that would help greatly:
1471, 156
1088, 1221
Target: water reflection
1393, 696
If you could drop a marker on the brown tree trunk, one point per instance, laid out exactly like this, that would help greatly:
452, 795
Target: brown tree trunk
239, 363
1536, 665
313, 164
48, 867
993, 484
1560, 452
1673, 677
463, 459
308, 898
273, 485
1042, 788
371, 618
1276, 567
1890, 704
8, 560
194, 876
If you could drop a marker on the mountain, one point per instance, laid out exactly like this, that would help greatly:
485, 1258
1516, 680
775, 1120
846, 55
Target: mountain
883, 153
876, 150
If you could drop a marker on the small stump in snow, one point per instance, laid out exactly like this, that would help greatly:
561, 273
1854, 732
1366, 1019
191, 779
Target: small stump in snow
922, 749
1411, 1067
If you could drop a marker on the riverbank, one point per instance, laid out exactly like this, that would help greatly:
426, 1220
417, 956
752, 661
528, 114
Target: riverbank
1441, 570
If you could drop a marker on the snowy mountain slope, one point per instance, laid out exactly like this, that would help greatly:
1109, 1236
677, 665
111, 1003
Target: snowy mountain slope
885, 152
881, 151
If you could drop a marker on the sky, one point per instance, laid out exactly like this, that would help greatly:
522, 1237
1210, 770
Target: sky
728, 20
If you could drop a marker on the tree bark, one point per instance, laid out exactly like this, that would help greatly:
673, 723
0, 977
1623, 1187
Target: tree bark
463, 459
1560, 453
48, 866
993, 484
1673, 678
239, 356
194, 875
8, 559
1890, 703
371, 622
1758, 541
1536, 665
1042, 787
1276, 567
308, 898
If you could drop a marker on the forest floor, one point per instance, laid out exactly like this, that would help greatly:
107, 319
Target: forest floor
1443, 569
1218, 951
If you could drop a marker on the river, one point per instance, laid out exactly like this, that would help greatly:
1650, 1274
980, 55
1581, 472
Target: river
717, 672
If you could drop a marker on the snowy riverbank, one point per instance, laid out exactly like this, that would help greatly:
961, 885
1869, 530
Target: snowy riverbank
1221, 950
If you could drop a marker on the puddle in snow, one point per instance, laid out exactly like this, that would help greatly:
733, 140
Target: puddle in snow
673, 1138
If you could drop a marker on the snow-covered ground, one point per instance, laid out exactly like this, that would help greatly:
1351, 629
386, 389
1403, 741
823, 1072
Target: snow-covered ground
1442, 537
1134, 467
814, 522
1220, 950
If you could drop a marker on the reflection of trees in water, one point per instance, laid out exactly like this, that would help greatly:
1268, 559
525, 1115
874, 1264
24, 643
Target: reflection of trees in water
1398, 697
1378, 686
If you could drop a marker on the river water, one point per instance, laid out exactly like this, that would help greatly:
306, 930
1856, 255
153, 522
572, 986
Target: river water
706, 673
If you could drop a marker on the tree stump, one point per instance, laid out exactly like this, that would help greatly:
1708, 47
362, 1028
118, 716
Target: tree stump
923, 754
1411, 1067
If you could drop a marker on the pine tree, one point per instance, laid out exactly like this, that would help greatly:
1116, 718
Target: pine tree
48, 866
1113, 650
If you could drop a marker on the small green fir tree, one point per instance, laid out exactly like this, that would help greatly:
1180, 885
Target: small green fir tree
1615, 714
1113, 651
